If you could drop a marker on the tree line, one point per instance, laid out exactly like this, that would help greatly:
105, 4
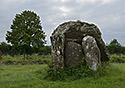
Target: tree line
8, 49
27, 37
115, 47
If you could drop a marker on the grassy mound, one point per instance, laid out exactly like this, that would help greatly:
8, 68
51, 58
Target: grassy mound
79, 72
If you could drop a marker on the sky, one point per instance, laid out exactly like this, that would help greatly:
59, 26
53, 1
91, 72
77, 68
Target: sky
108, 15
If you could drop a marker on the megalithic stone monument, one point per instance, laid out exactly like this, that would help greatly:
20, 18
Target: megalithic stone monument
72, 39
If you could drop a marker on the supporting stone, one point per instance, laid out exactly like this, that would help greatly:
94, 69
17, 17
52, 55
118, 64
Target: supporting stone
92, 52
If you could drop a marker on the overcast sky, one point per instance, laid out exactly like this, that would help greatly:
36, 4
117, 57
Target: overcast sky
109, 15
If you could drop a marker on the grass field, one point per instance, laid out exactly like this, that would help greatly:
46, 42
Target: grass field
30, 59
32, 76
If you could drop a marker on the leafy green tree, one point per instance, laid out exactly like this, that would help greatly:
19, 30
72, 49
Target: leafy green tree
114, 47
45, 50
14, 50
5, 48
26, 32
123, 49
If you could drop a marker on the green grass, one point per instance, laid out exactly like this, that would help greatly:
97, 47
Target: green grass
32, 76
40, 59
19, 59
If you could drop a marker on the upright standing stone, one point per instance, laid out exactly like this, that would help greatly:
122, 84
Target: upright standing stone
92, 52
73, 53
68, 45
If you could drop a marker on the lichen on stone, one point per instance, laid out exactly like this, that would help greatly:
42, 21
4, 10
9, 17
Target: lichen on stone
67, 44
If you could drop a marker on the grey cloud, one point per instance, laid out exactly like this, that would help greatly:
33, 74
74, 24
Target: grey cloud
110, 17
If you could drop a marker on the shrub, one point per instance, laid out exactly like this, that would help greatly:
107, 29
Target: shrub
0, 55
74, 73
118, 58
9, 62
28, 57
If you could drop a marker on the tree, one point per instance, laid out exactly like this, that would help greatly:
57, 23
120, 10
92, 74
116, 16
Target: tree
114, 47
46, 50
26, 32
8, 49
5, 48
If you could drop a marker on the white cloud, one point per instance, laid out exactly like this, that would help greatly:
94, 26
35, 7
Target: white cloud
64, 9
117, 18
61, 0
65, 0
108, 14
14, 1
107, 1
95, 1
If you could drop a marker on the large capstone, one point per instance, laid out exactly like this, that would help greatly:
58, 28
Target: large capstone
70, 41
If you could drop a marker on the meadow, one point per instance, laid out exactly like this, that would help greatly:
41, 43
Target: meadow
29, 60
33, 76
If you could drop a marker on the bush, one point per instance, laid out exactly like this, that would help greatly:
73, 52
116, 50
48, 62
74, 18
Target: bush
28, 57
118, 58
9, 62
0, 55
74, 73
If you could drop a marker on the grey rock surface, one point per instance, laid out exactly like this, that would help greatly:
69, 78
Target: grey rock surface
73, 53
67, 41
92, 52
